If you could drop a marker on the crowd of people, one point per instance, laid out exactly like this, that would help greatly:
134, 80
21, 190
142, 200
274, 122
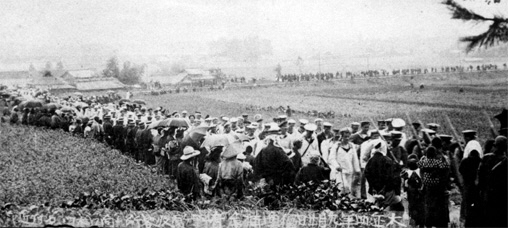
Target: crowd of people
378, 73
372, 160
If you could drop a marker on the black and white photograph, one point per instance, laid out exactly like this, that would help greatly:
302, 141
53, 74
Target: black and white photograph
254, 113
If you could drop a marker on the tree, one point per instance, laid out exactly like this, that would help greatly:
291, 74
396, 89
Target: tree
495, 34
60, 65
131, 73
112, 69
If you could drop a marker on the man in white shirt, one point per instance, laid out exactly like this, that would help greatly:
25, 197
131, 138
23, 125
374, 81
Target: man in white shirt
309, 144
344, 162
285, 141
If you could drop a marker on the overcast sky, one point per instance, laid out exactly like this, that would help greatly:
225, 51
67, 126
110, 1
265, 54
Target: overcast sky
162, 26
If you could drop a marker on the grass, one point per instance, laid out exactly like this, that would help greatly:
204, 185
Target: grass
40, 166
354, 101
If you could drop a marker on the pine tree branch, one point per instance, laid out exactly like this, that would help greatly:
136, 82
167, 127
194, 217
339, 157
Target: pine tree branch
461, 13
497, 32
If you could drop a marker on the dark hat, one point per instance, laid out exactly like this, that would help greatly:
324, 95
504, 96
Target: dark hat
412, 164
433, 125
246, 122
471, 133
437, 143
336, 129
107, 117
396, 135
416, 124
445, 138
119, 119
381, 121
363, 123
197, 113
142, 123
245, 115
283, 124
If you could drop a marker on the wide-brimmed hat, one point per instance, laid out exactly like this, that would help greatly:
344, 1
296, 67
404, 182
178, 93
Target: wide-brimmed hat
189, 152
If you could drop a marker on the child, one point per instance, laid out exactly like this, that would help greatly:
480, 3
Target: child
413, 186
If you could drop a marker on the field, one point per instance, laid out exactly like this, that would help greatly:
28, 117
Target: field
48, 167
462, 97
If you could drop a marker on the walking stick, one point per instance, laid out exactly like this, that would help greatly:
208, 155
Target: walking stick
455, 158
491, 125
415, 133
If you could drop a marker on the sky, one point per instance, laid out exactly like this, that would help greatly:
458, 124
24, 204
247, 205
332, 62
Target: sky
169, 27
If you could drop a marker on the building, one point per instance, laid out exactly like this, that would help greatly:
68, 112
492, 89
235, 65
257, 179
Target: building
188, 77
89, 80
50, 80
98, 83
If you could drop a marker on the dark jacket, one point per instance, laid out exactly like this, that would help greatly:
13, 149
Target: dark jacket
188, 180
311, 172
381, 175
272, 163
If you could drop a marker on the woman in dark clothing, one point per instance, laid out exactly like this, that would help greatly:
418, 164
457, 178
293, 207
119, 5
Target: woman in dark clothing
413, 186
435, 176
311, 172
212, 167
469, 169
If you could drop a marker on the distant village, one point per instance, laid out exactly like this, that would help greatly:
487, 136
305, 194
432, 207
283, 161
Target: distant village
92, 80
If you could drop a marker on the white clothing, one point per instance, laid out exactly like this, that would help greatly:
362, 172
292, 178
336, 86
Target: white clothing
470, 146
313, 149
367, 149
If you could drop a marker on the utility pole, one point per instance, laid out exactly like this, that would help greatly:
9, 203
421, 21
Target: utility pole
319, 55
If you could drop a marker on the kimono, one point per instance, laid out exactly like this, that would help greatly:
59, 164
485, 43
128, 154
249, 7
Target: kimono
435, 176
383, 178
273, 164
311, 172
413, 185
469, 170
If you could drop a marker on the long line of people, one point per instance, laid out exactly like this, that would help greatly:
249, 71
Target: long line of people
375, 161
382, 72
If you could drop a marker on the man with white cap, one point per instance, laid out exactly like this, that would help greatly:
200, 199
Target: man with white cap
324, 135
362, 135
310, 144
291, 127
285, 141
187, 176
355, 127
301, 130
233, 122
398, 125
319, 124
184, 114
240, 124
